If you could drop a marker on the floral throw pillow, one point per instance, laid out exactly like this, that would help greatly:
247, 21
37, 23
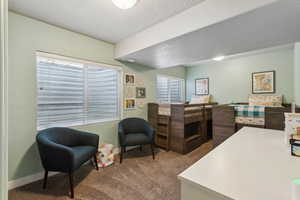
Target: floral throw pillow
265, 100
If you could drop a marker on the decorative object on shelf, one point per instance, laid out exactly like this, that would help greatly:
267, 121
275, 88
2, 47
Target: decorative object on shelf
129, 79
140, 92
263, 82
292, 126
130, 104
125, 4
202, 86
295, 145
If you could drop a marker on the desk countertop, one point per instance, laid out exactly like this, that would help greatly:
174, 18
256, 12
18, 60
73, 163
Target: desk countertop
253, 164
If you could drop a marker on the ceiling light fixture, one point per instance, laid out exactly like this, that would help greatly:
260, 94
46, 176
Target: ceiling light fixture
219, 58
124, 4
131, 60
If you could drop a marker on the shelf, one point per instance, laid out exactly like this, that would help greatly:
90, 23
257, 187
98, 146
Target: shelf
162, 124
162, 134
192, 138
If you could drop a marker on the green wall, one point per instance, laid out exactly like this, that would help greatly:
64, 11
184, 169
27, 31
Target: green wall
26, 36
230, 79
296, 74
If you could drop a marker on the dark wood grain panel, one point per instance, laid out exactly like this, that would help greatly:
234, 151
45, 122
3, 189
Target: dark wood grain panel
161, 124
185, 129
274, 117
224, 121
222, 133
223, 115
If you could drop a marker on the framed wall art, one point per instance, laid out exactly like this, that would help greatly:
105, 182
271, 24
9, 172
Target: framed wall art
140, 92
202, 86
130, 104
129, 79
263, 82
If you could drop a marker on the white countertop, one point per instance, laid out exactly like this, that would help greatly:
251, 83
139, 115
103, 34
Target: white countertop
253, 164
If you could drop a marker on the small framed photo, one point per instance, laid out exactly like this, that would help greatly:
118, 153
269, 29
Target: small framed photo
129, 79
263, 82
130, 104
202, 86
140, 92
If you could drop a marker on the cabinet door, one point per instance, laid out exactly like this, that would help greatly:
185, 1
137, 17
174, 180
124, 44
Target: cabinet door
223, 115
274, 118
221, 133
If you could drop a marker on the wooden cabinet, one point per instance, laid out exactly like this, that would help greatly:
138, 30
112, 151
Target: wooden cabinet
224, 124
184, 130
162, 138
161, 125
221, 133
274, 117
223, 120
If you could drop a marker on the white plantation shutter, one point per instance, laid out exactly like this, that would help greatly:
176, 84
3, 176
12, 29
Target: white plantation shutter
175, 87
102, 94
162, 89
169, 89
74, 93
60, 93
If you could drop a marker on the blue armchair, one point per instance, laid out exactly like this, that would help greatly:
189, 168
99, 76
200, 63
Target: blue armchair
65, 150
134, 132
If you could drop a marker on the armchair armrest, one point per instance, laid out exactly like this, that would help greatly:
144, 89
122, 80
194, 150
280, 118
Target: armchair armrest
149, 130
87, 138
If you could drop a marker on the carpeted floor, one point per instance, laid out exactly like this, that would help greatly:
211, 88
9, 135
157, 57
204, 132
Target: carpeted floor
137, 178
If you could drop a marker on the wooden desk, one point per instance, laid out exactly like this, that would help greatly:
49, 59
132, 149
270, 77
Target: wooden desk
253, 164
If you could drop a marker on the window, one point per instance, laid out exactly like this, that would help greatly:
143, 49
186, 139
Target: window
73, 92
170, 89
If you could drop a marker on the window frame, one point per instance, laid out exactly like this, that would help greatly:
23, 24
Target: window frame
169, 97
83, 62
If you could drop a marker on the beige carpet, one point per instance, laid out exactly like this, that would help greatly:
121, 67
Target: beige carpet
137, 178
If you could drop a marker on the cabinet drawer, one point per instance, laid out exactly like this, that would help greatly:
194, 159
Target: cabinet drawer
223, 131
219, 139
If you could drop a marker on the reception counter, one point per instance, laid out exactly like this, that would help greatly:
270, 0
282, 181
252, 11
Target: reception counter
253, 164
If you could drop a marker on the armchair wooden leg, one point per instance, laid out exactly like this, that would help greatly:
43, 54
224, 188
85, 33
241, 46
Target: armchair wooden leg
45, 179
96, 163
141, 148
71, 184
152, 149
121, 154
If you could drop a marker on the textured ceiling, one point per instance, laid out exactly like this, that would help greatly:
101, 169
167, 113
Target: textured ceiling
100, 18
269, 26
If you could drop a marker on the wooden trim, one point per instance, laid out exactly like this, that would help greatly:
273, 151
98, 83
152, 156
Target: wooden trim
57, 56
28, 179
4, 99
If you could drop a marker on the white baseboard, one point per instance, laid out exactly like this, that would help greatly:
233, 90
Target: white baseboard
28, 179
35, 177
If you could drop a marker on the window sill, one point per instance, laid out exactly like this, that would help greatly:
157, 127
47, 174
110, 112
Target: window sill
81, 124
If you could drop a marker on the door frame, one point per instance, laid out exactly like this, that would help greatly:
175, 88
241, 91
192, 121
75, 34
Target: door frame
3, 99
